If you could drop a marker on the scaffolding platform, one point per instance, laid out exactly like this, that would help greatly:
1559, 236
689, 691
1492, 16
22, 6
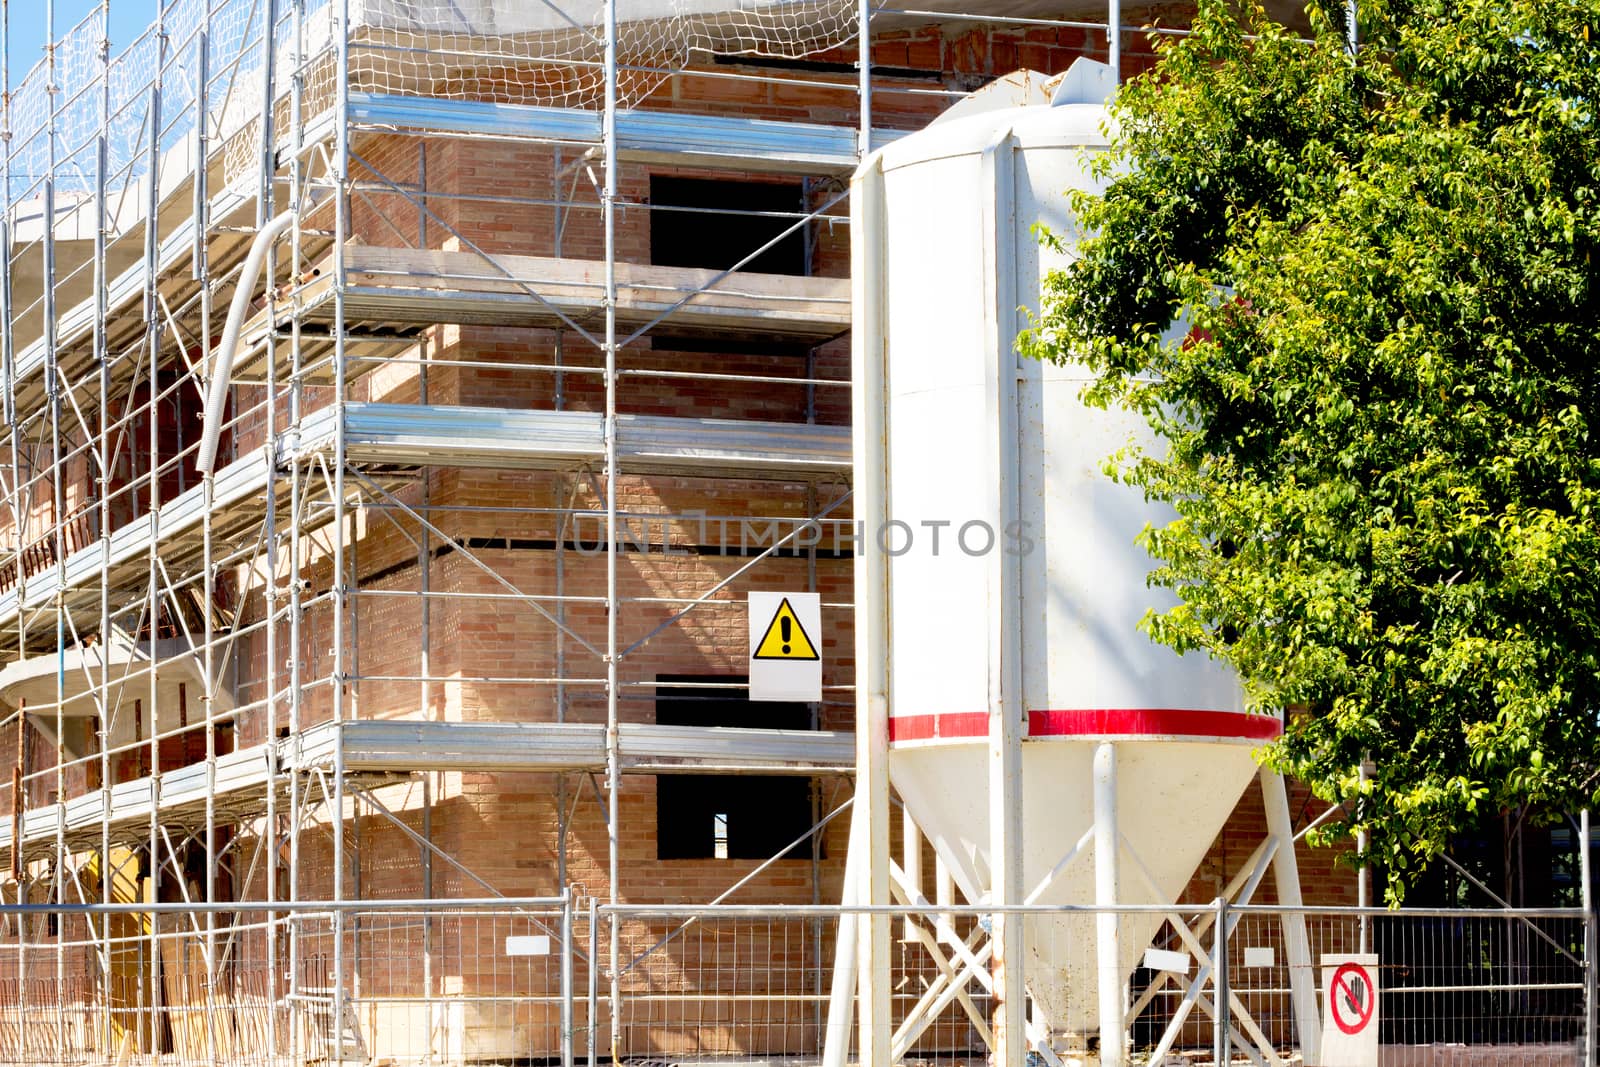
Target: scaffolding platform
238, 501
390, 441
391, 436
674, 138
392, 289
394, 745
127, 272
383, 752
177, 801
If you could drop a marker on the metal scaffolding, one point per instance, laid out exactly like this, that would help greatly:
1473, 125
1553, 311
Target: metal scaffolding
309, 405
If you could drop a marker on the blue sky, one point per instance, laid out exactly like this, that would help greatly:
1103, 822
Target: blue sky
27, 22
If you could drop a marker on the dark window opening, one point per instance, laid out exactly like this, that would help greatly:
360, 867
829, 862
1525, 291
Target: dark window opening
672, 341
815, 66
713, 224
729, 816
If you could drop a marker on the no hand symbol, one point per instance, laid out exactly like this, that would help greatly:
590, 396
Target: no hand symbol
1352, 998
1350, 1010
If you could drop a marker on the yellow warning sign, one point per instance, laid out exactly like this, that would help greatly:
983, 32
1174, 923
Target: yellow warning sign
785, 638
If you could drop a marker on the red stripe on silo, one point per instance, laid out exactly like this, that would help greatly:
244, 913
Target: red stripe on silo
957, 724
1183, 722
1090, 722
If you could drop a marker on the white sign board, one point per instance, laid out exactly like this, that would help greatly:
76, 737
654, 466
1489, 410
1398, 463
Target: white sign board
1260, 956
1349, 1011
786, 646
1160, 959
528, 945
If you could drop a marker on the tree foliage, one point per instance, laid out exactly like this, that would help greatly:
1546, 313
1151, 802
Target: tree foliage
1382, 427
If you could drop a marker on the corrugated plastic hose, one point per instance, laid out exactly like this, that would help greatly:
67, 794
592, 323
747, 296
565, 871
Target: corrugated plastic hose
222, 362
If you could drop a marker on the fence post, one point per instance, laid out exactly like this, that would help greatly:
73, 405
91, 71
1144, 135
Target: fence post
1219, 983
1588, 989
1589, 941
566, 977
594, 978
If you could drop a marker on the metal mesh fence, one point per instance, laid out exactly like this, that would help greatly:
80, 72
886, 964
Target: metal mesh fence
1455, 987
439, 981
457, 982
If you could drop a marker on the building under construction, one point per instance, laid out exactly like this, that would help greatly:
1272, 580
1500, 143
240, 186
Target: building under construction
400, 398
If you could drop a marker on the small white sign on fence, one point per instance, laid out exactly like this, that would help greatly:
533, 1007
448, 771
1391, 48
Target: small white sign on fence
1260, 956
528, 945
1160, 959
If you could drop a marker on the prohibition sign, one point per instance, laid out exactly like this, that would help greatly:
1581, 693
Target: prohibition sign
1352, 994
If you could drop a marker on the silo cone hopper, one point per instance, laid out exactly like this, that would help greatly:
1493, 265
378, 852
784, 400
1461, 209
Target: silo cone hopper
1050, 752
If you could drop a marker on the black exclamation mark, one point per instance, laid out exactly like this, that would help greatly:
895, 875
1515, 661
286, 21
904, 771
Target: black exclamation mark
783, 623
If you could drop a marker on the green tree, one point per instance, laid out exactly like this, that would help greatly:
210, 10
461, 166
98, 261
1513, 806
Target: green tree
1381, 430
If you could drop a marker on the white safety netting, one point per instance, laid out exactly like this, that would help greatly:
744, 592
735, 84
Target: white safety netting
784, 31
205, 62
145, 98
539, 52
44, 140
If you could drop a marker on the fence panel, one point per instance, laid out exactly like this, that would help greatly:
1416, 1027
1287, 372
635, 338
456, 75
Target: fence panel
244, 985
1464, 986
459, 982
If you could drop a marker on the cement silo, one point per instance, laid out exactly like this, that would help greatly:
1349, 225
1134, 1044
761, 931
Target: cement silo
1048, 749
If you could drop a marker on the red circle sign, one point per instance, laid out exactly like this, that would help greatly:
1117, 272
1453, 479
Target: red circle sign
1352, 996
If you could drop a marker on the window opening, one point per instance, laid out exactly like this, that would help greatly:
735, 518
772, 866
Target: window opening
728, 816
714, 223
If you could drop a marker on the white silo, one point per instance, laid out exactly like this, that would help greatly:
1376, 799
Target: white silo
1048, 749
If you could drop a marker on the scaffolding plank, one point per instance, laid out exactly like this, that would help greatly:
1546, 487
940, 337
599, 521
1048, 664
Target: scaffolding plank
127, 546
237, 505
425, 287
443, 435
127, 806
670, 137
396, 745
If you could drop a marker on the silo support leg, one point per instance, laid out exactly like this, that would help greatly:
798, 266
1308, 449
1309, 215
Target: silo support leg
841, 995
1297, 946
939, 997
1061, 865
1252, 871
1245, 884
949, 986
1010, 1014
1107, 894
1039, 1038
